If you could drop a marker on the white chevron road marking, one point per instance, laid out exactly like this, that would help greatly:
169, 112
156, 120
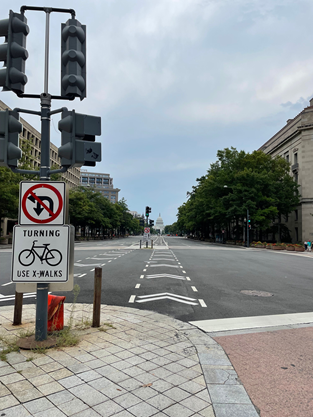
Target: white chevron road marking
170, 266
165, 276
168, 296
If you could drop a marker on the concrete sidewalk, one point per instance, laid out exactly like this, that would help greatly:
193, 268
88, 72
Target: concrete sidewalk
147, 364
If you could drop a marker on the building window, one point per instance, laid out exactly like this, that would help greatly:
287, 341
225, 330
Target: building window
296, 177
295, 158
84, 180
287, 156
105, 181
297, 234
296, 216
99, 181
91, 180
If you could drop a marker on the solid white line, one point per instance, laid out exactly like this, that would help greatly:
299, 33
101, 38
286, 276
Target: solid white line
202, 303
238, 323
187, 278
142, 276
94, 269
82, 275
8, 283
194, 289
137, 286
102, 264
132, 299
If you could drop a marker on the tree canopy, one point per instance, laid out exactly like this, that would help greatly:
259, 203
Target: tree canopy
237, 182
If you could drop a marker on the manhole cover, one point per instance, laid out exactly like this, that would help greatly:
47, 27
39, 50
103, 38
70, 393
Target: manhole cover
255, 293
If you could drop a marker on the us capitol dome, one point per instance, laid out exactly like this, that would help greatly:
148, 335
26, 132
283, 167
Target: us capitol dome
159, 225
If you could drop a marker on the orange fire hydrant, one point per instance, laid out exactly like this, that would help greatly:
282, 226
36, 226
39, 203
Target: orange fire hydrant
55, 312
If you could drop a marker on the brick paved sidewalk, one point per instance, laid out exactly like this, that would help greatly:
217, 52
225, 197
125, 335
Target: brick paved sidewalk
146, 365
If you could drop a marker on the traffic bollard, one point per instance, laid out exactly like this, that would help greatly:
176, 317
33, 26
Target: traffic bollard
97, 298
18, 306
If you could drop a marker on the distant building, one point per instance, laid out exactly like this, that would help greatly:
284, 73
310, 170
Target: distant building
159, 225
102, 182
294, 142
135, 214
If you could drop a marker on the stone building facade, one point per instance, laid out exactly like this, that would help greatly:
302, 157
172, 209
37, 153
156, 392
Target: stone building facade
294, 142
33, 138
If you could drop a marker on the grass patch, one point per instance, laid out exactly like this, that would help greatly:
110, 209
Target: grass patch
8, 347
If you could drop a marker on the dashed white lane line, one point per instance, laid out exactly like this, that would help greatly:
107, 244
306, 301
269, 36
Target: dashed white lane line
187, 278
147, 266
183, 272
102, 264
132, 299
109, 261
142, 276
93, 269
144, 270
82, 275
137, 286
79, 260
194, 289
202, 303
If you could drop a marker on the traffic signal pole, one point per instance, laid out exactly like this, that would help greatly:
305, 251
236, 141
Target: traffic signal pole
248, 243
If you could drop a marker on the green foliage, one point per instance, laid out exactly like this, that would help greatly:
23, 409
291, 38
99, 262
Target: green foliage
235, 183
89, 208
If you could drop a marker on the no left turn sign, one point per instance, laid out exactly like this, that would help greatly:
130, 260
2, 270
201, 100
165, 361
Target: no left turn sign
41, 203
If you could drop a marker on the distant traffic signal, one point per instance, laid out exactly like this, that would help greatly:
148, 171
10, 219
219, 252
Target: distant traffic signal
73, 59
148, 210
78, 146
141, 222
151, 223
13, 53
10, 128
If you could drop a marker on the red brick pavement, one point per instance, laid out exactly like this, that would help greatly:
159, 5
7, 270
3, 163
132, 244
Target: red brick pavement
276, 368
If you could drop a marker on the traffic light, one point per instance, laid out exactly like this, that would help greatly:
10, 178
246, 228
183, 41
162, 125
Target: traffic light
78, 146
151, 223
13, 52
73, 59
141, 222
10, 128
249, 222
148, 210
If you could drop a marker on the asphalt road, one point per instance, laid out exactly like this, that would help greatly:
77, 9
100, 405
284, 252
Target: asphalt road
188, 280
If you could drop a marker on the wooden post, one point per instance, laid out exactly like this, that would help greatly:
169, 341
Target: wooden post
97, 298
18, 306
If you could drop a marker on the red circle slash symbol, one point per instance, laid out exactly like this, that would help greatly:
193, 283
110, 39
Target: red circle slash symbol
52, 216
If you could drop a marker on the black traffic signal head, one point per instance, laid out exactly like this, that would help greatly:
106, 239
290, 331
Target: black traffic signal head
10, 128
141, 222
78, 146
151, 222
73, 59
13, 52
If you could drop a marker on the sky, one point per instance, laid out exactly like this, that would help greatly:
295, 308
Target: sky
174, 81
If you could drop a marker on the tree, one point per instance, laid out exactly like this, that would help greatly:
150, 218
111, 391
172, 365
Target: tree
235, 183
